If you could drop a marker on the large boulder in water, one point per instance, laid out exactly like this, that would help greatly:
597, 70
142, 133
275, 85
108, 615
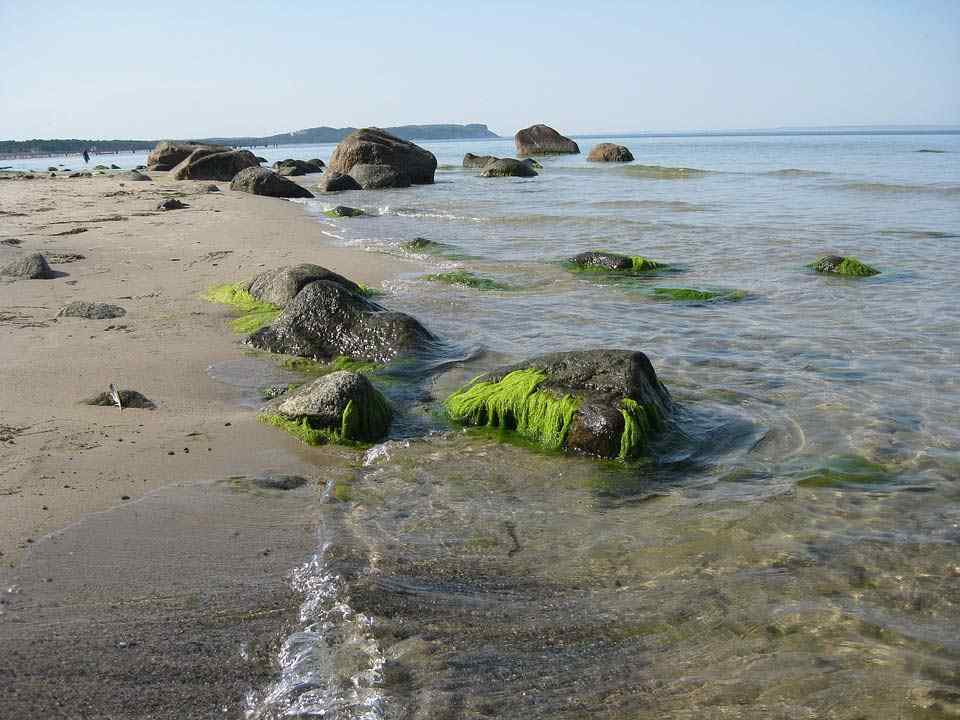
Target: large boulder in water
167, 155
607, 403
31, 267
372, 146
508, 167
602, 260
477, 161
543, 140
376, 177
281, 285
610, 152
333, 181
326, 320
261, 181
295, 168
205, 164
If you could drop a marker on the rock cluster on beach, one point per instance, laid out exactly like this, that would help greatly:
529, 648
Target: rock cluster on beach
543, 140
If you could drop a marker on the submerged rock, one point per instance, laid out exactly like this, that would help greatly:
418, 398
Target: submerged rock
326, 320
31, 267
333, 181
206, 164
477, 161
610, 152
607, 403
343, 406
128, 398
343, 211
543, 140
601, 260
372, 146
92, 310
171, 204
166, 155
508, 167
261, 181
279, 482
376, 177
281, 285
840, 265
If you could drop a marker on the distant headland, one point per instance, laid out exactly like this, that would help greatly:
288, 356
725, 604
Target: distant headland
307, 136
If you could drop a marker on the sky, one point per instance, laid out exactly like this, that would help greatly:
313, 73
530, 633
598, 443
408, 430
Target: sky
147, 70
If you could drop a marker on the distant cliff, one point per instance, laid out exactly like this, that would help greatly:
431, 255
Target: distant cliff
298, 137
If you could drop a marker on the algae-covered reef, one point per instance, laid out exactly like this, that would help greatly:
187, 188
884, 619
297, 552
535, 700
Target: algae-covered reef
607, 403
692, 295
840, 265
467, 279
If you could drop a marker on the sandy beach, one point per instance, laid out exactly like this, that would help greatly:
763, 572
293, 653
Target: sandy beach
143, 521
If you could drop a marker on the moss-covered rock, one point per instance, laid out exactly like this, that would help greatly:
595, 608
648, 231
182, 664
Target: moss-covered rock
840, 265
342, 407
281, 285
692, 295
600, 260
607, 403
467, 279
341, 211
254, 313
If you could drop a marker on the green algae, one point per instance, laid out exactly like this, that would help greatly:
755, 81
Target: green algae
315, 367
369, 292
467, 279
848, 266
517, 405
844, 470
639, 421
255, 314
691, 295
360, 423
342, 211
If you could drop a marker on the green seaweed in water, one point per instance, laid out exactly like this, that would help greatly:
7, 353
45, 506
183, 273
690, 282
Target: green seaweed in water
849, 266
360, 423
468, 279
638, 264
841, 470
515, 404
255, 314
639, 421
315, 367
690, 295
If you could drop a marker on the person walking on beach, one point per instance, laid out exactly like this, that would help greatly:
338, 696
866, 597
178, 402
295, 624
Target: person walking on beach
86, 157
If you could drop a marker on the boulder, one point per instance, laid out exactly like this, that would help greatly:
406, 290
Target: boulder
326, 320
281, 285
31, 267
543, 140
342, 211
167, 155
840, 265
136, 176
171, 204
205, 164
333, 181
607, 403
372, 146
261, 181
343, 406
610, 152
295, 168
601, 260
477, 161
128, 399
508, 167
375, 177
92, 310
532, 163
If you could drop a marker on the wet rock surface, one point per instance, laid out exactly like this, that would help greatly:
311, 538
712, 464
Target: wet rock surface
508, 167
610, 152
275, 481
377, 177
281, 285
600, 259
333, 181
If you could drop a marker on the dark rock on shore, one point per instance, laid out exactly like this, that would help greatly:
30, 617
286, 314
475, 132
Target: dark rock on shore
326, 320
477, 161
205, 164
128, 398
167, 155
261, 181
543, 140
376, 177
508, 167
840, 265
279, 482
281, 285
171, 204
333, 181
31, 267
92, 311
372, 146
295, 168
606, 403
610, 152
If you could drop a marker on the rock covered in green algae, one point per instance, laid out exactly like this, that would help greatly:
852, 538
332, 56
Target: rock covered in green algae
343, 211
840, 265
341, 407
692, 295
467, 279
281, 285
606, 403
326, 320
602, 260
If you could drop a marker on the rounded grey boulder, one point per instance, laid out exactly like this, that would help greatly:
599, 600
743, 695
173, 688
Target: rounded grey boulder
261, 181
281, 285
373, 146
295, 168
31, 267
166, 155
477, 161
333, 181
543, 140
376, 177
92, 311
610, 152
209, 164
508, 167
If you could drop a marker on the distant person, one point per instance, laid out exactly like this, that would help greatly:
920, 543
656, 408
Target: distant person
86, 156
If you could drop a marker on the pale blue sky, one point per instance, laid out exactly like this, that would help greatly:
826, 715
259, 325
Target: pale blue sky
103, 69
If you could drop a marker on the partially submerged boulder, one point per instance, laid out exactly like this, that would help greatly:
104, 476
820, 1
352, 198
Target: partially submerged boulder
508, 167
343, 406
281, 285
92, 310
31, 267
372, 146
610, 152
326, 320
376, 177
295, 168
342, 211
543, 140
128, 399
840, 265
477, 161
261, 181
205, 164
333, 181
167, 155
607, 403
601, 260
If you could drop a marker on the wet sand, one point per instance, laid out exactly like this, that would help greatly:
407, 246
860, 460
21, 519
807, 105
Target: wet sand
103, 534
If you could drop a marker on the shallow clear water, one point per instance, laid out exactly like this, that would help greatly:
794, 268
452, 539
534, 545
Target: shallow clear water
789, 549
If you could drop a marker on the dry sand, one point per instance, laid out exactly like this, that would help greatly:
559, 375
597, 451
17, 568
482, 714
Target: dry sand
94, 470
